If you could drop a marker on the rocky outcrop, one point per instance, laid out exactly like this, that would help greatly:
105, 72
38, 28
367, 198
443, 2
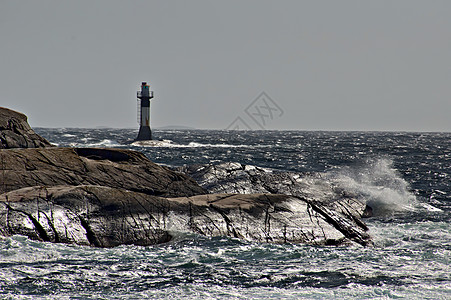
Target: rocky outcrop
313, 187
105, 217
246, 179
15, 132
116, 168
108, 197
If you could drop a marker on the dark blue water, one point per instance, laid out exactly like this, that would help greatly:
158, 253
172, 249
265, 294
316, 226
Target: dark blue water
408, 173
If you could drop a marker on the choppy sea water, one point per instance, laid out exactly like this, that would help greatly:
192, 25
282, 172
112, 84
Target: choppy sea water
404, 176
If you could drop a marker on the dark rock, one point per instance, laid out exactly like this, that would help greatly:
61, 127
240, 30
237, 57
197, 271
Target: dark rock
15, 132
246, 179
368, 212
109, 197
105, 217
116, 168
84, 215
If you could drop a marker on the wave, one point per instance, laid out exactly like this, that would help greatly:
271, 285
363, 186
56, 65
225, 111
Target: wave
194, 145
103, 143
378, 184
171, 144
153, 143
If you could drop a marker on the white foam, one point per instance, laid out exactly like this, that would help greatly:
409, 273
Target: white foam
379, 185
429, 207
104, 143
195, 145
171, 144
153, 143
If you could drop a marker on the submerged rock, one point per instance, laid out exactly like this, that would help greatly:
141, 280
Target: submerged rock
116, 168
15, 132
105, 217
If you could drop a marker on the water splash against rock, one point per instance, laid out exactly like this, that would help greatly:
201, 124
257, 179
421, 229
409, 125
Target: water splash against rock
378, 184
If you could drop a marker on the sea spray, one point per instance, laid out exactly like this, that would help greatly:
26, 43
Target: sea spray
378, 184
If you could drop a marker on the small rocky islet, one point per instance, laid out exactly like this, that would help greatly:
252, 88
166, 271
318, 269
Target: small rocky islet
105, 197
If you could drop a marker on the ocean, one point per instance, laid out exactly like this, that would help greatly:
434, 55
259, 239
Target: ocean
405, 177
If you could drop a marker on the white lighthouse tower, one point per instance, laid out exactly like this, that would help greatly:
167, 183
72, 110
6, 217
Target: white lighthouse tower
144, 96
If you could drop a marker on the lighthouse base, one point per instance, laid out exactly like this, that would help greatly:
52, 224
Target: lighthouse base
145, 134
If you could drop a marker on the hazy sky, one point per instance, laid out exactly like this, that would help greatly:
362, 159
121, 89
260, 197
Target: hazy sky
327, 65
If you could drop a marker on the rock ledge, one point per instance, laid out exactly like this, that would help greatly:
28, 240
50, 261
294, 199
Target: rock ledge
15, 132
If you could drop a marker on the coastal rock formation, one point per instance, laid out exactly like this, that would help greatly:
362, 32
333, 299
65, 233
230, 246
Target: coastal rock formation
108, 197
116, 168
15, 132
247, 179
106, 217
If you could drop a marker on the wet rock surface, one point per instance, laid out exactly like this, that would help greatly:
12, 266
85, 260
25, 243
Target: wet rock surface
333, 202
246, 179
108, 197
15, 132
105, 217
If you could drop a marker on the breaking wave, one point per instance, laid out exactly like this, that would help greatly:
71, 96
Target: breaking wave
85, 142
377, 183
171, 144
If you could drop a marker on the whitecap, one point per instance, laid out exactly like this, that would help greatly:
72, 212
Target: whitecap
171, 144
104, 143
379, 185
153, 143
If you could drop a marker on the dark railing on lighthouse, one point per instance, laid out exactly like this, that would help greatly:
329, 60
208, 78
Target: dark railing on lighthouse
144, 96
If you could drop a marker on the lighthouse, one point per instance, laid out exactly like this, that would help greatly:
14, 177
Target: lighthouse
144, 96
